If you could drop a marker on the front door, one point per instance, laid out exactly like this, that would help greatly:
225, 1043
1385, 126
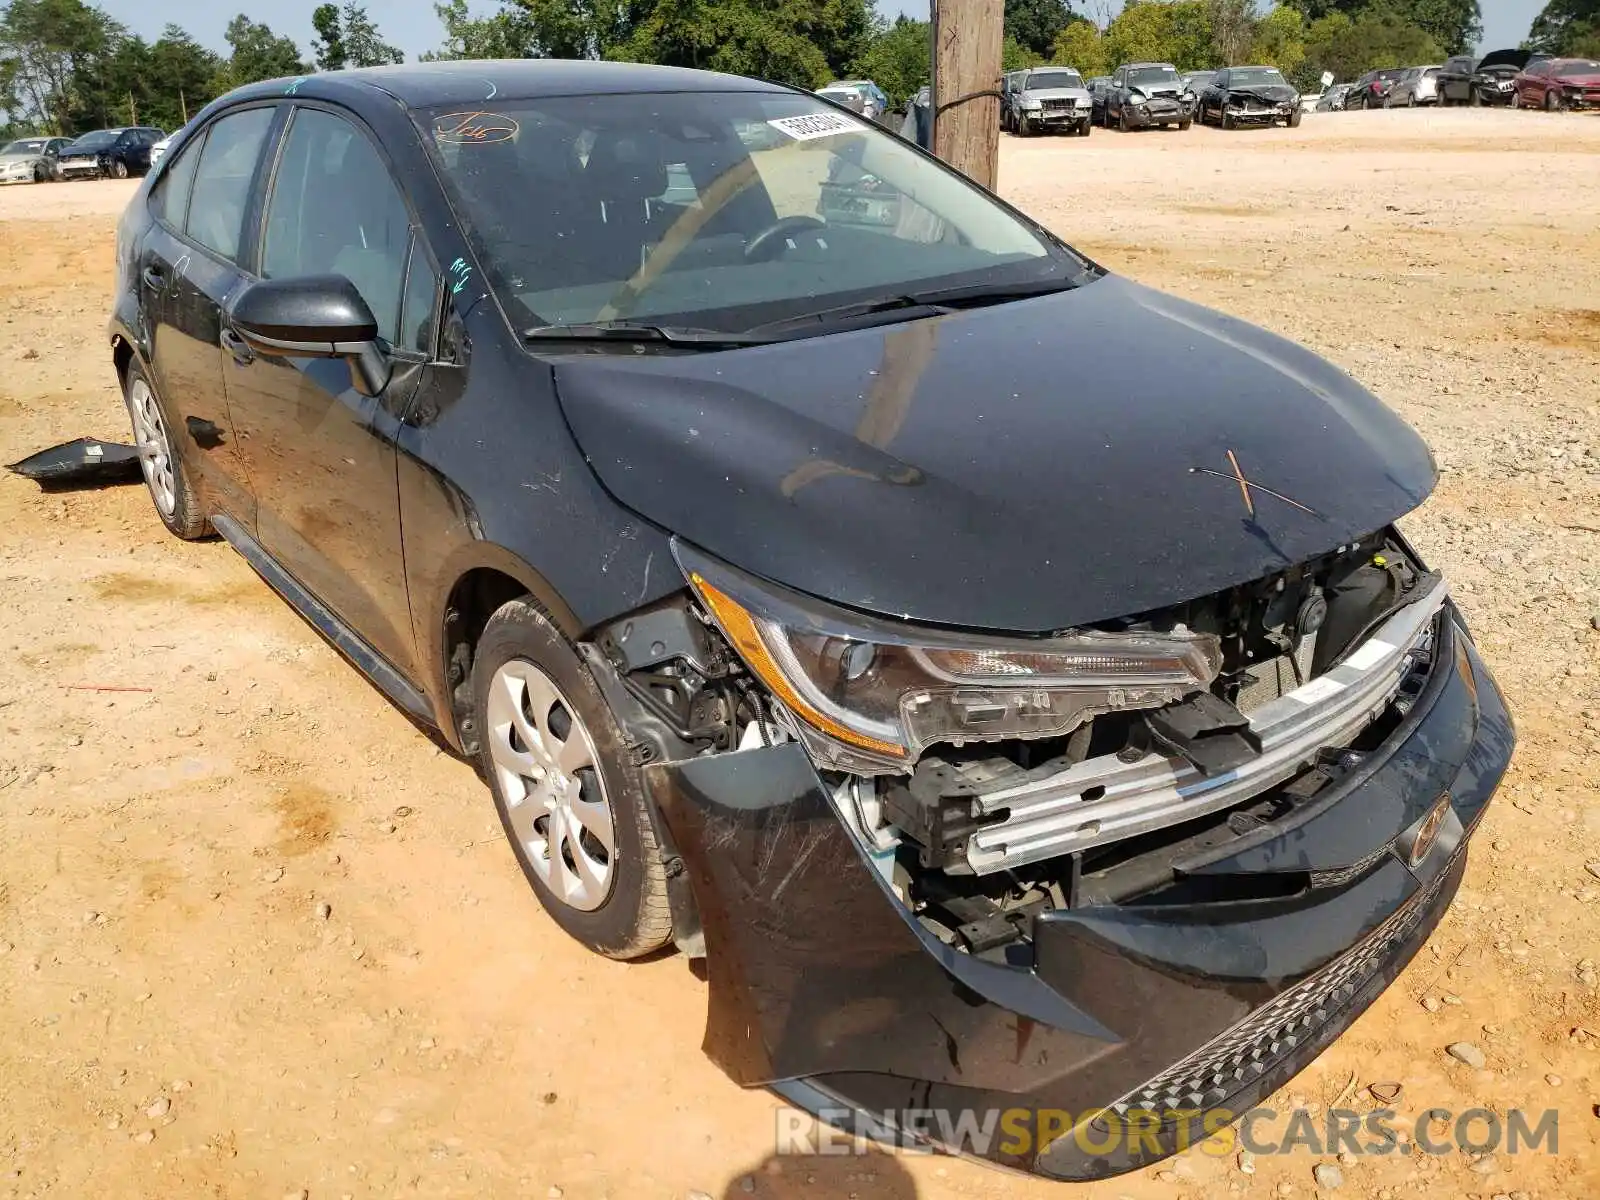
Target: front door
188, 270
320, 455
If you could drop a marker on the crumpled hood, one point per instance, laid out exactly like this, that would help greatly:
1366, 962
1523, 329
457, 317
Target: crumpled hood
1028, 466
1268, 93
83, 153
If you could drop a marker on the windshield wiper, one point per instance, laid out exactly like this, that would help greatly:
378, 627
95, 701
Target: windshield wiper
629, 331
935, 302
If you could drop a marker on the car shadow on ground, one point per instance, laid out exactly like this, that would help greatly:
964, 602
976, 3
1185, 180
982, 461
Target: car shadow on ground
872, 1175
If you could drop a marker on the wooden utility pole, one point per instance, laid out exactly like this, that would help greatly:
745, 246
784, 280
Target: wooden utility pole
967, 39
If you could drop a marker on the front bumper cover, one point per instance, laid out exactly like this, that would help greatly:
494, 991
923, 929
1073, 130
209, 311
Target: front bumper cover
825, 989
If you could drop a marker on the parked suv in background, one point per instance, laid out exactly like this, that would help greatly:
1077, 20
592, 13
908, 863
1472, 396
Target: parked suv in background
1416, 85
110, 153
1047, 100
1454, 83
1494, 80
1146, 94
1372, 89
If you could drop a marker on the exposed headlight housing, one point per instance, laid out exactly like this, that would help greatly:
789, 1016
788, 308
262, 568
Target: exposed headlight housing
869, 695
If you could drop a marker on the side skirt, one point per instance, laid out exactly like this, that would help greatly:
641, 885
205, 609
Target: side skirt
343, 639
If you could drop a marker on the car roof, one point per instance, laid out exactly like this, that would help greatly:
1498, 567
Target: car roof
1130, 66
479, 81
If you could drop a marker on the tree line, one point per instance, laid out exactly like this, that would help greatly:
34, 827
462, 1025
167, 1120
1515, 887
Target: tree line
66, 66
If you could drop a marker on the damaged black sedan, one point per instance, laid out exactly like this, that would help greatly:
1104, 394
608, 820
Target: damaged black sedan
822, 568
1240, 96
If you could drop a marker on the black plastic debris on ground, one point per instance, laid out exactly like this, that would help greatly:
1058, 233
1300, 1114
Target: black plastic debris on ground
86, 462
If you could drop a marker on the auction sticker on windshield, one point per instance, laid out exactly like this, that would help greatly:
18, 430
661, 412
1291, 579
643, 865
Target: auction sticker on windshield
814, 125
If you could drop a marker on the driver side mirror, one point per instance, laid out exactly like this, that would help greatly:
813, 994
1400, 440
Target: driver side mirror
314, 316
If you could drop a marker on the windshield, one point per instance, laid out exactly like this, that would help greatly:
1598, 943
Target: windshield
94, 141
1053, 79
716, 210
1253, 76
25, 146
1152, 76
1575, 66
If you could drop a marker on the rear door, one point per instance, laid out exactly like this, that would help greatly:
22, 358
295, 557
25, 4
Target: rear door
189, 266
321, 455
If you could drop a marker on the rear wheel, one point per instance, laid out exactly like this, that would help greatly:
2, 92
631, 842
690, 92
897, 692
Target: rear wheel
570, 799
175, 500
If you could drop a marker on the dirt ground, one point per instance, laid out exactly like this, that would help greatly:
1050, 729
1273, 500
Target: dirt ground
182, 1016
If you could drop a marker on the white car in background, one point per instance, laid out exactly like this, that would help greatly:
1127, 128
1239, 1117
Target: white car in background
159, 149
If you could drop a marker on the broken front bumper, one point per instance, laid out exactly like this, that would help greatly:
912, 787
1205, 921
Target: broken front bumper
826, 989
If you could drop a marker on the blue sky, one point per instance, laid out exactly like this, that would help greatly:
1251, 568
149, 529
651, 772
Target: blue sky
412, 25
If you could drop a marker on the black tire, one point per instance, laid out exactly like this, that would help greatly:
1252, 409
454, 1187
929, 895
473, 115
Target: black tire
1553, 102
187, 518
1227, 121
1474, 100
40, 174
1024, 126
1122, 119
1185, 123
1294, 118
119, 169
635, 918
1083, 130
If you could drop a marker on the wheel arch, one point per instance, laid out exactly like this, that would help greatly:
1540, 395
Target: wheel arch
479, 583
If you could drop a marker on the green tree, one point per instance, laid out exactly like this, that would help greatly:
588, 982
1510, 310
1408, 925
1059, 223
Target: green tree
1080, 45
1035, 23
898, 58
1014, 55
1179, 33
503, 34
1455, 25
258, 53
1570, 27
731, 36
49, 51
1350, 47
1279, 41
363, 44
328, 46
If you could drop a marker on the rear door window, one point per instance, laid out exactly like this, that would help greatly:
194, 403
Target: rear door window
222, 180
169, 199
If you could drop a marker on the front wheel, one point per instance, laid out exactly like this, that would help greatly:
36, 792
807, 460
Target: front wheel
1024, 126
119, 169
571, 801
1185, 123
1083, 130
1227, 121
1552, 102
1294, 118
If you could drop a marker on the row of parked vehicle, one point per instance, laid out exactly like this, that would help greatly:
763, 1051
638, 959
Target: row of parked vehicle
1142, 96
1518, 78
103, 154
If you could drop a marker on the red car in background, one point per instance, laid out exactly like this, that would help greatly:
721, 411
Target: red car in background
1559, 83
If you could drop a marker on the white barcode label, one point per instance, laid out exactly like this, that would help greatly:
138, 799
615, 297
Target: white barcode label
814, 125
1317, 690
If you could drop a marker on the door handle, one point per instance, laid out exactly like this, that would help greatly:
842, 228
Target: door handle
238, 347
155, 277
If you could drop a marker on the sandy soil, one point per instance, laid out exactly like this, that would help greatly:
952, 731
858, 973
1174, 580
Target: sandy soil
183, 1017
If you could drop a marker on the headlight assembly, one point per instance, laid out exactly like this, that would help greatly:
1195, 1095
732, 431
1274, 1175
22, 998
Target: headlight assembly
869, 695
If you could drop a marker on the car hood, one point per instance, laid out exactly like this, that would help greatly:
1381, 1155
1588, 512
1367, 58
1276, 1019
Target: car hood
84, 153
1272, 93
1061, 93
1158, 89
30, 156
1028, 466
1515, 59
